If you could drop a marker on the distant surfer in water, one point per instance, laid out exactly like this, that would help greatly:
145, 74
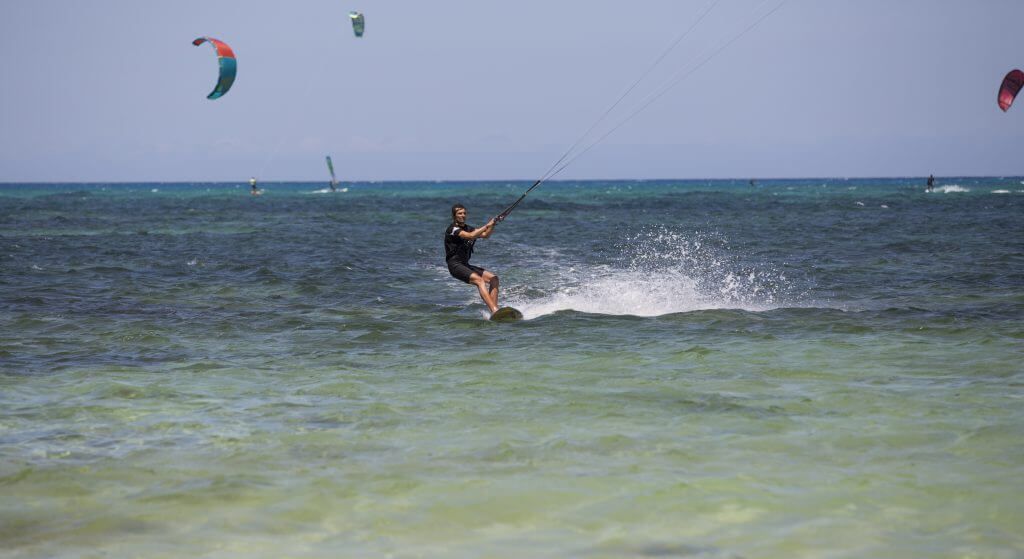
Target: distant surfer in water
931, 183
252, 186
459, 238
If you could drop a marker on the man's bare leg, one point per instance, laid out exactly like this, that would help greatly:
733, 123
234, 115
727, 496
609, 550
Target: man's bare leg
492, 281
481, 285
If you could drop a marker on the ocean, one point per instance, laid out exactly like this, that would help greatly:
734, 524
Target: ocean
707, 368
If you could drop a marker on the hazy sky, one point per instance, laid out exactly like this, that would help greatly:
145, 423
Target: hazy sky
112, 90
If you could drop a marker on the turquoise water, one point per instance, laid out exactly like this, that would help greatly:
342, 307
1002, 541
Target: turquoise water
800, 368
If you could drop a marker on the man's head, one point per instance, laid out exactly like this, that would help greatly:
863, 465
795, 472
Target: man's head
459, 213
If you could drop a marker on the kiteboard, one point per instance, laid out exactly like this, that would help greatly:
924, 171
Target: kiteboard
506, 314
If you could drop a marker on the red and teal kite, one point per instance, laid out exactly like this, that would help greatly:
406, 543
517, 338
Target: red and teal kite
228, 65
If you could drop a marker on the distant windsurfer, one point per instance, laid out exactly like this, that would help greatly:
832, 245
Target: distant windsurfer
252, 185
334, 180
459, 238
931, 183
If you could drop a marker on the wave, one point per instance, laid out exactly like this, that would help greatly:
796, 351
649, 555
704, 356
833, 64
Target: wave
946, 189
663, 272
72, 194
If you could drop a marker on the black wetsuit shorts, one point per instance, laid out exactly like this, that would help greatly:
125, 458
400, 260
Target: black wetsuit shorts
462, 271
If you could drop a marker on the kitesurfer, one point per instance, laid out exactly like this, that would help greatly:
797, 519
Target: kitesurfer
931, 183
252, 186
459, 238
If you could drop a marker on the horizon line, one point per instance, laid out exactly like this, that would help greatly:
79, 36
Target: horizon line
385, 181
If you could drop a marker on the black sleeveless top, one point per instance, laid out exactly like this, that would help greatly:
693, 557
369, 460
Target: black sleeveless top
457, 249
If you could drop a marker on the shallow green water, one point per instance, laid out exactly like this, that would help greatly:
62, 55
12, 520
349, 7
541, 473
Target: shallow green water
706, 370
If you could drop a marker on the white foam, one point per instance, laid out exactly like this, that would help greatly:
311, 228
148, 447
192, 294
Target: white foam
951, 188
661, 273
1000, 192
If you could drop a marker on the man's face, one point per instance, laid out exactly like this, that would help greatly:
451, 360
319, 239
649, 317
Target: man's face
460, 215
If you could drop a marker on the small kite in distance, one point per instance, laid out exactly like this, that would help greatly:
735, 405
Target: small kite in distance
358, 23
227, 63
1008, 91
